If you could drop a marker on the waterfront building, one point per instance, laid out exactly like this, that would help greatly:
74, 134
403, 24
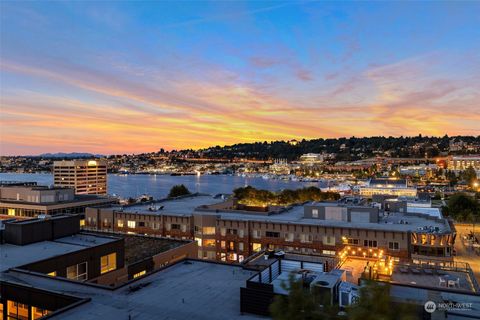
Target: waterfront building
86, 176
228, 231
388, 186
27, 199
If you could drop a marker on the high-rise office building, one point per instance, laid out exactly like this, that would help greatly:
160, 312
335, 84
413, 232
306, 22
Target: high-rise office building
86, 176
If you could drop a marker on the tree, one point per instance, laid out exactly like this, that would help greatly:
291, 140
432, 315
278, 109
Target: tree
461, 206
301, 304
375, 303
178, 190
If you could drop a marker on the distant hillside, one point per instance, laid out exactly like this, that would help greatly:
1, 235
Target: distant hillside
71, 155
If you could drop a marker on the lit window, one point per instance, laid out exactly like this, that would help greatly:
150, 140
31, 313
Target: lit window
256, 247
120, 223
108, 263
131, 224
139, 274
208, 230
52, 274
82, 222
11, 212
199, 241
314, 213
240, 246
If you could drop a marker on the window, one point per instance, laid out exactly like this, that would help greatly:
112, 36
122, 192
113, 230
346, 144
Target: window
108, 263
131, 224
271, 234
256, 234
139, 274
329, 240
289, 237
37, 313
240, 246
370, 243
184, 228
329, 252
156, 225
240, 233
77, 272
82, 224
256, 247
352, 241
240, 258
232, 231
305, 238
208, 230
314, 213
222, 244
11, 212
120, 223
393, 246
52, 274
208, 242
141, 224
199, 241
16, 310
175, 226
223, 232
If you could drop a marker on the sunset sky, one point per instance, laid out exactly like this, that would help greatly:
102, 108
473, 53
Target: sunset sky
127, 77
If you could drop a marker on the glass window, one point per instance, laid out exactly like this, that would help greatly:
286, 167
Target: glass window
77, 271
314, 213
256, 247
108, 263
139, 274
131, 224
208, 230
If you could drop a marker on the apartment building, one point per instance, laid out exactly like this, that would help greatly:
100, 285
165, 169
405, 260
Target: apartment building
43, 258
388, 186
460, 163
85, 176
26, 200
225, 233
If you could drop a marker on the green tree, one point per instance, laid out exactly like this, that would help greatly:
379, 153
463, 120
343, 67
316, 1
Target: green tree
375, 303
178, 190
461, 206
301, 304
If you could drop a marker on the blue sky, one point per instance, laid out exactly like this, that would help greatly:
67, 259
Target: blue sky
179, 74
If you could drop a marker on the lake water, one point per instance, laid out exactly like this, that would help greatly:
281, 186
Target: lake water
158, 186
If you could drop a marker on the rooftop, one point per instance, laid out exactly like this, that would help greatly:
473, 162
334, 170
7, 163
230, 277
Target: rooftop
395, 221
186, 290
178, 206
13, 256
79, 198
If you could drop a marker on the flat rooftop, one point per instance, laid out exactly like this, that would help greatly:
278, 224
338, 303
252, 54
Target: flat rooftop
189, 205
186, 290
14, 256
180, 206
390, 223
79, 198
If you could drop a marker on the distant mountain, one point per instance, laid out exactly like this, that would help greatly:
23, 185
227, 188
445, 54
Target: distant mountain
70, 155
